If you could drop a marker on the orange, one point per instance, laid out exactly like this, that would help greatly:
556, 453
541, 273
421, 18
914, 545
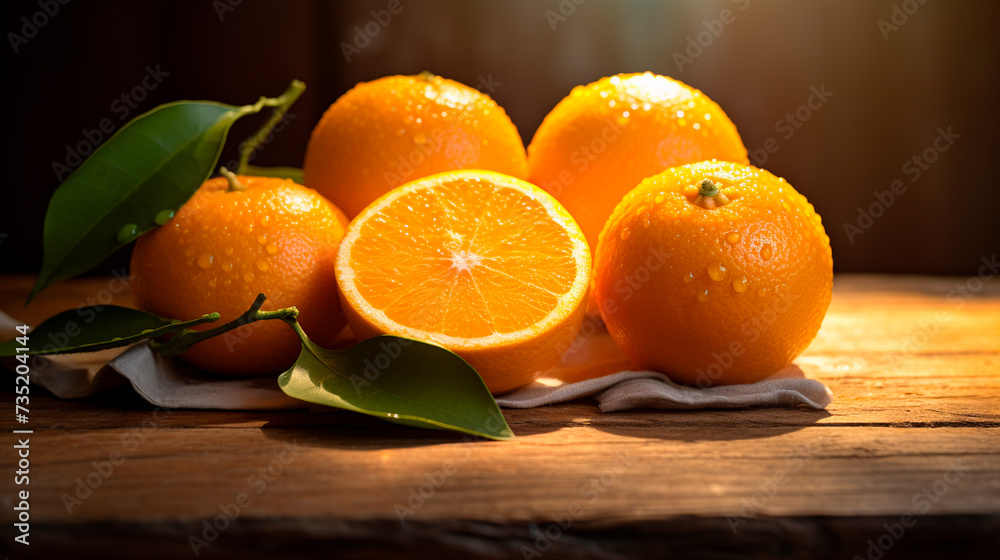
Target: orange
395, 129
605, 137
223, 248
713, 273
484, 264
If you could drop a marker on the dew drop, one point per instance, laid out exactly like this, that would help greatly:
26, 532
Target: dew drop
717, 272
740, 285
646, 106
229, 251
262, 239
624, 234
689, 278
272, 248
766, 252
227, 266
702, 295
227, 282
659, 198
732, 238
205, 261
163, 216
248, 277
127, 233
213, 282
262, 265
419, 139
264, 220
762, 292
645, 220
409, 118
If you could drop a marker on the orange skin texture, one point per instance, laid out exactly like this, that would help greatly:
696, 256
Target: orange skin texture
223, 248
396, 129
587, 154
669, 305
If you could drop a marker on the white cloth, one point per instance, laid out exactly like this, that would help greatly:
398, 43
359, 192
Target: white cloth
596, 367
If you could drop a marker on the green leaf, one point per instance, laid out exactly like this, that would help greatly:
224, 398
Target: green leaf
400, 380
293, 173
89, 329
149, 168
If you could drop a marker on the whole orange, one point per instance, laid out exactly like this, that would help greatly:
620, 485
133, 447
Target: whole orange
713, 273
395, 129
605, 137
223, 248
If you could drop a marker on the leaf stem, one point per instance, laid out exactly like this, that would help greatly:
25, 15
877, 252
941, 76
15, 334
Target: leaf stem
187, 338
281, 105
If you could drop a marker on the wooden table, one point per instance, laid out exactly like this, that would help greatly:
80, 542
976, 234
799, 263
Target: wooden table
914, 364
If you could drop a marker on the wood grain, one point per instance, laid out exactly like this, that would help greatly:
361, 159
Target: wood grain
913, 362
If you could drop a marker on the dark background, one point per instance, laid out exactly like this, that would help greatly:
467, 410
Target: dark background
890, 97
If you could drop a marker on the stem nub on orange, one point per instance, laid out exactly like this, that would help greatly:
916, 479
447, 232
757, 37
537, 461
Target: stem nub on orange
713, 273
395, 129
484, 264
605, 137
225, 246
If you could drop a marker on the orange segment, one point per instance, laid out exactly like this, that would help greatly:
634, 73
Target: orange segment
482, 263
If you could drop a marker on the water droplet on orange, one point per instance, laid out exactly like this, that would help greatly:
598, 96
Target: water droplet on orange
205, 261
659, 198
272, 248
766, 252
702, 295
740, 285
717, 272
732, 238
264, 220
689, 278
229, 251
624, 234
262, 239
645, 220
213, 282
262, 265
227, 266
762, 292
248, 277
419, 138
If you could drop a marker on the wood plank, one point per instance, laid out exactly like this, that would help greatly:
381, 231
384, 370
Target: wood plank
911, 401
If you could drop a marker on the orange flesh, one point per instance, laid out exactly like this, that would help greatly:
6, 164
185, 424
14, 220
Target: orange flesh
500, 268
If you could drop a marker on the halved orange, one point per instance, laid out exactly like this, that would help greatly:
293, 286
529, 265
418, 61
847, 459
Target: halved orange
484, 264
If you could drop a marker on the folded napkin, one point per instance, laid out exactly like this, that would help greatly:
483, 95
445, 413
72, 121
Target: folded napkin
594, 367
